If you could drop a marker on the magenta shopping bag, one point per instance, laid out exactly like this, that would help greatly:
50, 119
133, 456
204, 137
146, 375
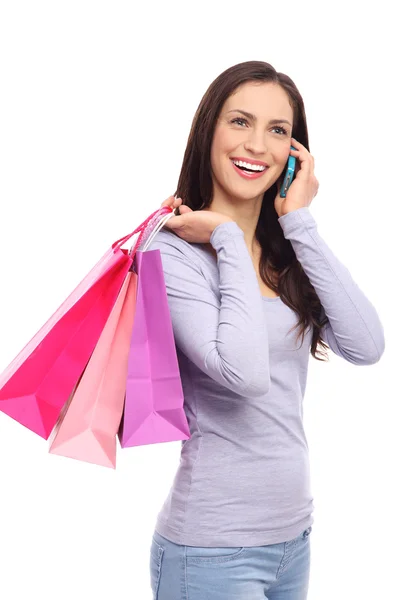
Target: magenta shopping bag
38, 382
153, 410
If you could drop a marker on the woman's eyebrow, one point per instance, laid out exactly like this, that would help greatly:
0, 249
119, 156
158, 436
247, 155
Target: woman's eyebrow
254, 118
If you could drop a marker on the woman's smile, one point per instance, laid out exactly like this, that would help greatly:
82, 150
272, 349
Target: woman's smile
247, 173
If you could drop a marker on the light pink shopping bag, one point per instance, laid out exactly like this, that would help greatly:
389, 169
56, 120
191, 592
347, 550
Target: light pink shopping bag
88, 429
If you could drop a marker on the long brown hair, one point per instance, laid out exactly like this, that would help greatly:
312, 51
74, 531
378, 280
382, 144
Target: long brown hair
195, 187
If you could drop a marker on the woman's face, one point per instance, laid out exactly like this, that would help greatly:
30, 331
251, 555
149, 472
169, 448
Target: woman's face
264, 137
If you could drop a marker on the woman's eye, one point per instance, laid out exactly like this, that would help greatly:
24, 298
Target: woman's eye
282, 129
238, 119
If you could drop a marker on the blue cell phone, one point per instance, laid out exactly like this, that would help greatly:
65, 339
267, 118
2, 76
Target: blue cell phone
288, 175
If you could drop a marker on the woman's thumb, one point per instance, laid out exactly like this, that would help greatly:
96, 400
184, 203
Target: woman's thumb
176, 222
184, 209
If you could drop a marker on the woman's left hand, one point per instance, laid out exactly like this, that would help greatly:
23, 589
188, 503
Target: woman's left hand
304, 185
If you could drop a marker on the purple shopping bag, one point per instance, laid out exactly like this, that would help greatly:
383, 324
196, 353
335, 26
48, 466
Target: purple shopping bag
153, 410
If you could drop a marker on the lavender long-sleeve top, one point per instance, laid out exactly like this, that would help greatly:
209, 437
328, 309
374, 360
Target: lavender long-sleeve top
243, 477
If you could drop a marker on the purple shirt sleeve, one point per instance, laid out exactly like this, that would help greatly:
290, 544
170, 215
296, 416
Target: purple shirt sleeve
354, 330
226, 338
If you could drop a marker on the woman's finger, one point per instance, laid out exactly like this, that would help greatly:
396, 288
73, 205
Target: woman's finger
172, 202
177, 221
169, 201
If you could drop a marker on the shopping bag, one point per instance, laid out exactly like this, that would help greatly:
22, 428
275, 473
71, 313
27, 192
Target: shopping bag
153, 409
88, 429
38, 382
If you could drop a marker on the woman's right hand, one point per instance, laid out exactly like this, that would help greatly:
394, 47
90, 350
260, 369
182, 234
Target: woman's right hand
193, 226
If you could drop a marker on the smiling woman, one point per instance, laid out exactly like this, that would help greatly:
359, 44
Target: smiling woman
243, 270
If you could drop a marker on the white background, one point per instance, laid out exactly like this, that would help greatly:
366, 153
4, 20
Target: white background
96, 104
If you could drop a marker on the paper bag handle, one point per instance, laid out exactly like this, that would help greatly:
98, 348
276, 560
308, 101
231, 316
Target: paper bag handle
159, 226
117, 245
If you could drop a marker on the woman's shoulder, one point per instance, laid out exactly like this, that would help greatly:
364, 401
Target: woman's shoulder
169, 243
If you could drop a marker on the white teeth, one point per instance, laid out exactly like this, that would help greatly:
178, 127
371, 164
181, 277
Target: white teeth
240, 163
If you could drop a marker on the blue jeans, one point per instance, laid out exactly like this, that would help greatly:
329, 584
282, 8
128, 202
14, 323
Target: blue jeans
273, 572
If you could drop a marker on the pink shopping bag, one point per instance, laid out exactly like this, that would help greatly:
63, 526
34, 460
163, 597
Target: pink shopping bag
153, 409
38, 382
87, 430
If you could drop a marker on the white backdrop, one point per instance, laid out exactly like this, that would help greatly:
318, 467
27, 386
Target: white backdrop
96, 105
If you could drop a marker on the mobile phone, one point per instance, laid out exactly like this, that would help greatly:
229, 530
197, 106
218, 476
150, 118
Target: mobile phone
287, 180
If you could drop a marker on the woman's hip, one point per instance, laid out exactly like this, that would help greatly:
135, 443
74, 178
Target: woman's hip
181, 572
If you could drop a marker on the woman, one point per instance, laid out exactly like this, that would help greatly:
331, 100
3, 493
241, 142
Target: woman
244, 268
